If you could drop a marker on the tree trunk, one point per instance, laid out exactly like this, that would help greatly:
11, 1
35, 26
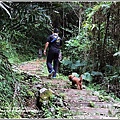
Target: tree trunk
80, 19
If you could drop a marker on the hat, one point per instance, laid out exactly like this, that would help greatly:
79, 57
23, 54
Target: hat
56, 30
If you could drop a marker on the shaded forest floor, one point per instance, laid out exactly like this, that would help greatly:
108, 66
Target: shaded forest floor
83, 104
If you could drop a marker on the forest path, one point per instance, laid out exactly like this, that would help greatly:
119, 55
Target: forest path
84, 104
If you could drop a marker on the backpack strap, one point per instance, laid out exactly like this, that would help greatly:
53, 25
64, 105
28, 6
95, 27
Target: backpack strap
54, 39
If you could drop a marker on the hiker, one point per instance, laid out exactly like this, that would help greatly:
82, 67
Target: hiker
54, 42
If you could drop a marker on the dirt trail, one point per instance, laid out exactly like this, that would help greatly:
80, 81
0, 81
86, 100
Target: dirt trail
82, 103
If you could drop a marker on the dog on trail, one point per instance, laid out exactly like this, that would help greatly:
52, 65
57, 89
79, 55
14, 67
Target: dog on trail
76, 80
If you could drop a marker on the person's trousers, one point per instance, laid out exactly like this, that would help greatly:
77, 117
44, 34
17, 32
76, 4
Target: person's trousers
52, 61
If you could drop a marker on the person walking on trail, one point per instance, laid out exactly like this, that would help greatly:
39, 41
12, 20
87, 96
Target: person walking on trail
54, 43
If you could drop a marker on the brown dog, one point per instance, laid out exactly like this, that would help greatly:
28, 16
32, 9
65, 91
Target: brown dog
77, 81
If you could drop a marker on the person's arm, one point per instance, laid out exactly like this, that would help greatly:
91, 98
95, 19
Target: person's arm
46, 46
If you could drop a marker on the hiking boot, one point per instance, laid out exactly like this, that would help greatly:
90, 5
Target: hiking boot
53, 77
51, 74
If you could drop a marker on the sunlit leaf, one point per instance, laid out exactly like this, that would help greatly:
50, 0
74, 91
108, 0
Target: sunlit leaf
1, 76
87, 76
96, 73
3, 5
117, 53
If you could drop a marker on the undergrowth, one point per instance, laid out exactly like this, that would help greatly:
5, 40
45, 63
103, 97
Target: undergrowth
101, 91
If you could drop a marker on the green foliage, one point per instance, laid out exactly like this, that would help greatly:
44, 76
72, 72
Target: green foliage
9, 51
54, 108
95, 45
92, 104
78, 44
94, 73
93, 49
76, 50
26, 32
75, 74
68, 66
103, 95
5, 6
7, 79
87, 77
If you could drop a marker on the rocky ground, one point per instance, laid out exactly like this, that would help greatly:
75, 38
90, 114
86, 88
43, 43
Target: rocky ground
83, 104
